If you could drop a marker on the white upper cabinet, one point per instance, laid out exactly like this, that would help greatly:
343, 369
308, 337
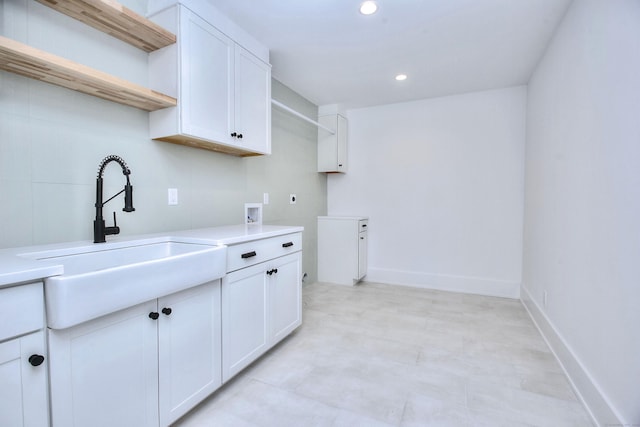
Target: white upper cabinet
223, 90
252, 102
332, 148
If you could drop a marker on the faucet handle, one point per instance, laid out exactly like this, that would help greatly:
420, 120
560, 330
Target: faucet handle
112, 230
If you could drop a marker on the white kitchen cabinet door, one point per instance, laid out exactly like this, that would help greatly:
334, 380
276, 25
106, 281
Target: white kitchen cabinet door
332, 149
206, 96
252, 102
362, 254
244, 318
105, 372
189, 342
23, 386
285, 287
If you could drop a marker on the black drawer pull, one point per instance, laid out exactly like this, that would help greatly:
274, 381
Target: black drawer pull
287, 245
364, 225
248, 255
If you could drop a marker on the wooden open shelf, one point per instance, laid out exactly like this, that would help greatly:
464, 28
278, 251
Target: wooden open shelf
112, 18
27, 61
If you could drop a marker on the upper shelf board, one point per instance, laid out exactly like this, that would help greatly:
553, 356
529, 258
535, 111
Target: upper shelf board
34, 63
112, 18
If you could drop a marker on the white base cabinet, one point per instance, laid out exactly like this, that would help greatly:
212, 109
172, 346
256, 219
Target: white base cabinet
342, 249
23, 387
143, 366
23, 364
261, 303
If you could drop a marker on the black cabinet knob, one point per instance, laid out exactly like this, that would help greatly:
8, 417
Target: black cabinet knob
275, 270
233, 135
239, 136
166, 311
36, 359
154, 315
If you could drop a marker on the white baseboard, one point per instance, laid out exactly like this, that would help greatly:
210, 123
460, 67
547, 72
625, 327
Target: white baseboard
470, 285
596, 403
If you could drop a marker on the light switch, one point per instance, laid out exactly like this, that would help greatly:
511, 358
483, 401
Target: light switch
265, 198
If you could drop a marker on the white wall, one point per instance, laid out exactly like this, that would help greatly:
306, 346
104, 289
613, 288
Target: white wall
52, 140
582, 210
442, 183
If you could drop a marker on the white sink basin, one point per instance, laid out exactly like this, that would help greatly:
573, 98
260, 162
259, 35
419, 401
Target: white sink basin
99, 280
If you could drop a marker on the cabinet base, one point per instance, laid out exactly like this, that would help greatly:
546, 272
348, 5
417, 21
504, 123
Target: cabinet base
206, 145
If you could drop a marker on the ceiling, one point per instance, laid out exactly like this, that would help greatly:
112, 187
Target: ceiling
331, 54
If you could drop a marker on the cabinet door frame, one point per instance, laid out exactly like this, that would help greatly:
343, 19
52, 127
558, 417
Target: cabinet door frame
285, 286
217, 77
239, 320
64, 399
252, 101
27, 386
189, 349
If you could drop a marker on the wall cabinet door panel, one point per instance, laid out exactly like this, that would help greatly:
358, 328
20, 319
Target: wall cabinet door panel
207, 80
252, 102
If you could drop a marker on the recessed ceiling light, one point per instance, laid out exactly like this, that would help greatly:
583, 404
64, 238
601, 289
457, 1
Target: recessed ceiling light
368, 7
401, 77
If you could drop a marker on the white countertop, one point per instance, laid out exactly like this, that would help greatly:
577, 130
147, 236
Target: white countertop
16, 267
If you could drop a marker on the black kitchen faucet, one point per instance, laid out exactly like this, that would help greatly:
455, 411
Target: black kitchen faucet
99, 228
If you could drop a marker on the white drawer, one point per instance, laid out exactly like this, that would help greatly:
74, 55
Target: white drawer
21, 310
250, 253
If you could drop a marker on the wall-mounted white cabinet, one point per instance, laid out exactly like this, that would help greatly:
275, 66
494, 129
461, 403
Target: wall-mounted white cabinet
223, 90
261, 299
332, 148
145, 366
342, 249
23, 364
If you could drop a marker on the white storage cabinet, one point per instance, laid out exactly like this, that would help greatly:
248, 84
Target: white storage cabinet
342, 249
223, 90
23, 357
332, 149
143, 366
261, 298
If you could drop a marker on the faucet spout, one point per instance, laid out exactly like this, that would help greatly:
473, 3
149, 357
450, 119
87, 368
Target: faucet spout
100, 230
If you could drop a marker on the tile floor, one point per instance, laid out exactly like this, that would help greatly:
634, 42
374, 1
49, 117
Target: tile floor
380, 355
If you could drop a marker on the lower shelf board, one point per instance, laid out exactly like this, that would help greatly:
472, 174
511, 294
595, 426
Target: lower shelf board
27, 61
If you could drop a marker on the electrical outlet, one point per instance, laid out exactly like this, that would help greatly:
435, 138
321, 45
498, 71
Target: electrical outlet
292, 199
265, 198
172, 196
544, 299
